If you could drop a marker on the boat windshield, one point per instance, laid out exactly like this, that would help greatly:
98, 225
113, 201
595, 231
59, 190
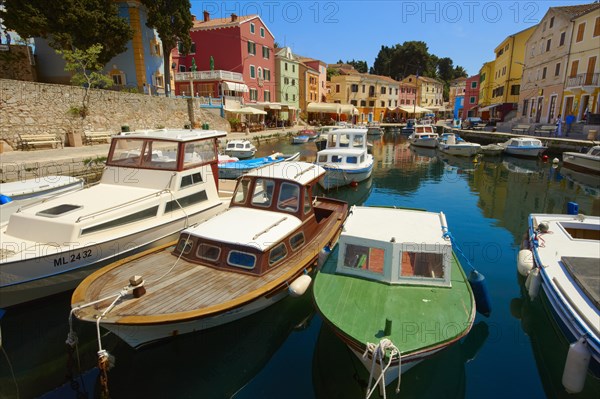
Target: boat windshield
144, 153
199, 152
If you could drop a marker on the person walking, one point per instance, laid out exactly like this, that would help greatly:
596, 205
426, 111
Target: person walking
558, 126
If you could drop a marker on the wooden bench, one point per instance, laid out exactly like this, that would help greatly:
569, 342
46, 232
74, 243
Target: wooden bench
521, 129
29, 141
97, 137
545, 130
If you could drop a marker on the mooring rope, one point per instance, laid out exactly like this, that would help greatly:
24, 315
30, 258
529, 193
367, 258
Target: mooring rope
378, 352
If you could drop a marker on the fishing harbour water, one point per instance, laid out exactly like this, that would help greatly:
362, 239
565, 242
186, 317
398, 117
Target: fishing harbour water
287, 351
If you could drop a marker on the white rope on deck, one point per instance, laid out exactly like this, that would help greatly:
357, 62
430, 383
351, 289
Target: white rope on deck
378, 352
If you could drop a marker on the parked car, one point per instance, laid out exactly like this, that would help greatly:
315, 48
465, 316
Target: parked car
471, 121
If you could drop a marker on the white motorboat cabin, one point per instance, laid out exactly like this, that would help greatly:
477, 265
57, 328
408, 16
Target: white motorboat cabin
374, 247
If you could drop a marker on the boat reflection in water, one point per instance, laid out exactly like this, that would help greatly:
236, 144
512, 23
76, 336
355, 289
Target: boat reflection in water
588, 183
549, 345
339, 374
521, 165
353, 195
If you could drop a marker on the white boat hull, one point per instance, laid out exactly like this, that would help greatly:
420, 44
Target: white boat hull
582, 162
524, 152
49, 269
336, 177
425, 142
463, 150
240, 154
139, 335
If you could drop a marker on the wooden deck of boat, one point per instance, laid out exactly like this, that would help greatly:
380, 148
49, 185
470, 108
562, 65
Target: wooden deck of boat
422, 316
190, 290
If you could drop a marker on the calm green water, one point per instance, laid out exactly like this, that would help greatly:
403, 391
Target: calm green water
287, 352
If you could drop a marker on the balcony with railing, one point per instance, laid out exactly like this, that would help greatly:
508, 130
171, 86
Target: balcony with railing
208, 76
583, 79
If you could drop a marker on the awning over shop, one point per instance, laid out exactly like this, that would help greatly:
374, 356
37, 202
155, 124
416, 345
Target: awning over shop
232, 86
266, 105
413, 109
348, 109
489, 107
330, 108
435, 109
246, 111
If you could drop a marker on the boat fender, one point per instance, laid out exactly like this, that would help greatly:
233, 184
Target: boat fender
555, 161
533, 283
5, 199
576, 365
323, 255
525, 262
482, 297
300, 285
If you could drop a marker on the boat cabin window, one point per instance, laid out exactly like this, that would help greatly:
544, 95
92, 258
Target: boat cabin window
351, 160
241, 259
289, 197
188, 200
263, 192
190, 180
297, 240
359, 141
277, 254
184, 245
241, 191
146, 153
307, 201
336, 158
59, 210
364, 258
208, 252
322, 158
131, 218
421, 264
362, 158
199, 152
595, 151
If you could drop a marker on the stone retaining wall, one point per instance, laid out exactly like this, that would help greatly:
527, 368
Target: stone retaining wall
39, 108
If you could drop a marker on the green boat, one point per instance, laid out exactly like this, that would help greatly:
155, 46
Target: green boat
393, 290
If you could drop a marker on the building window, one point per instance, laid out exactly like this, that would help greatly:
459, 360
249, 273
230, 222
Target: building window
580, 30
525, 105
548, 45
551, 109
371, 91
253, 94
382, 104
260, 73
557, 69
562, 38
574, 66
363, 103
503, 71
353, 102
293, 82
337, 88
371, 103
262, 32
293, 68
401, 102
514, 90
181, 68
473, 85
252, 71
251, 48
293, 97
382, 90
551, 22
472, 100
354, 88
286, 81
286, 97
252, 28
363, 88
544, 73
285, 66
193, 48
267, 96
119, 78
267, 74
597, 27
266, 52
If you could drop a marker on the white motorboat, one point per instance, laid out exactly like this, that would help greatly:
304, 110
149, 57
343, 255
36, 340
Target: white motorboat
585, 162
562, 256
523, 147
235, 264
20, 193
155, 184
345, 158
424, 136
233, 170
453, 144
241, 149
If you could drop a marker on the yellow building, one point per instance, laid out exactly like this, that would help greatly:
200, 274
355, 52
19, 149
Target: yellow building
430, 92
372, 95
486, 85
582, 86
507, 71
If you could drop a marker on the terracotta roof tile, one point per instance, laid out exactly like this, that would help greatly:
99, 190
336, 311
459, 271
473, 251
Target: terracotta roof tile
578, 10
214, 23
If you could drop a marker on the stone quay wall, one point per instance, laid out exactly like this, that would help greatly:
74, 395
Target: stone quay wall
39, 108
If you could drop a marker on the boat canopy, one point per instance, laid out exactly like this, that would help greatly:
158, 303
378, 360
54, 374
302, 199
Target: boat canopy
396, 247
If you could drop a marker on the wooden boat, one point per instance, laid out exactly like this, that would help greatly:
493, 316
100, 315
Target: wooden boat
423, 136
241, 149
233, 170
230, 266
453, 144
14, 195
564, 255
586, 162
155, 184
523, 147
394, 269
345, 158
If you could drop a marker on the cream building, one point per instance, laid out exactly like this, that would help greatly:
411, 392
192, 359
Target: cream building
430, 92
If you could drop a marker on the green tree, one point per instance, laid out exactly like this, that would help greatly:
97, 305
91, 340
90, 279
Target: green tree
86, 71
360, 66
70, 24
172, 20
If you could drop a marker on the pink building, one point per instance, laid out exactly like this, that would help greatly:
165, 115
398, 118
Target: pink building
407, 94
471, 97
230, 56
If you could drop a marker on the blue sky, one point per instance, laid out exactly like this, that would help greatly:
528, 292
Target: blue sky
466, 31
